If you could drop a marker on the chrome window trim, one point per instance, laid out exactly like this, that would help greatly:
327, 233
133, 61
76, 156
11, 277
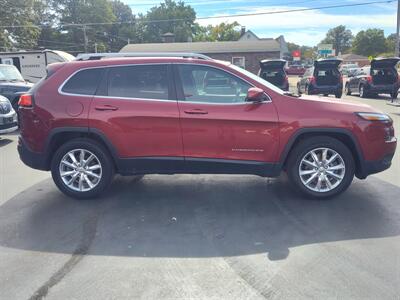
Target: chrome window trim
158, 100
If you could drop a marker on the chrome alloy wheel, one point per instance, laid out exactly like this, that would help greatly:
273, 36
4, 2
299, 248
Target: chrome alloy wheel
80, 170
322, 170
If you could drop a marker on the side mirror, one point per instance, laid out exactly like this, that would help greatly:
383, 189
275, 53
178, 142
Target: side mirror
255, 94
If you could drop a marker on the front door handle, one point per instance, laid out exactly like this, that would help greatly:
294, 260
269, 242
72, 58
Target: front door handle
106, 107
196, 111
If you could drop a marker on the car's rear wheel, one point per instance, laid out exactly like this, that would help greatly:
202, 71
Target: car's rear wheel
82, 168
347, 90
394, 95
321, 167
339, 94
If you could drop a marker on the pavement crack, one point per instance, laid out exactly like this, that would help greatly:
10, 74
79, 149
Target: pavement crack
88, 234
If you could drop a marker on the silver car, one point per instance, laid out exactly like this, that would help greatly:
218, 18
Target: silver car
8, 116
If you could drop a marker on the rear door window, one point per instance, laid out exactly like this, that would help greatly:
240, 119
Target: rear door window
140, 81
84, 82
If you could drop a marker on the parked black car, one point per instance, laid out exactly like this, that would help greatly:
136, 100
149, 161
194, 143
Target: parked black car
379, 78
272, 70
12, 84
323, 78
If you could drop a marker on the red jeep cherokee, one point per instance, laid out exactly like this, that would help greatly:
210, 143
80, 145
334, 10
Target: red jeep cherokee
182, 113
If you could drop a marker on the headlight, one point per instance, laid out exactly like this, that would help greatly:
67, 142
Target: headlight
374, 117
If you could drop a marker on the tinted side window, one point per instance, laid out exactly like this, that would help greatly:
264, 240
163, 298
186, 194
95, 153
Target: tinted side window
207, 84
141, 81
84, 82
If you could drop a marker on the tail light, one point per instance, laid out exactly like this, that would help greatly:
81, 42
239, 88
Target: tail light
369, 79
312, 79
286, 79
341, 78
25, 100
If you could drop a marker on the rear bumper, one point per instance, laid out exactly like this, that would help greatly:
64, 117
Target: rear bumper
384, 89
325, 89
32, 159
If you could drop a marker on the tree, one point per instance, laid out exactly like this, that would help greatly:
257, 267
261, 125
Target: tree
83, 12
340, 37
370, 42
19, 13
170, 16
220, 32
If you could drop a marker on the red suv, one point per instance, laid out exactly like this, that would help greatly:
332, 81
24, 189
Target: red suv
183, 113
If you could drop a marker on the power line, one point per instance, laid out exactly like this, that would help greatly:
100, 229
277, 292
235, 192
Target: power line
211, 17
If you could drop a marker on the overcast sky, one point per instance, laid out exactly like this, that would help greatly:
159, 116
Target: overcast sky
305, 28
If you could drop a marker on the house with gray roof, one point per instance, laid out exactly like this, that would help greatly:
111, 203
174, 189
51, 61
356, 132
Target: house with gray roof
246, 53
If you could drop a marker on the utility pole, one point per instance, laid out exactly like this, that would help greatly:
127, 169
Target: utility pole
95, 47
85, 39
396, 51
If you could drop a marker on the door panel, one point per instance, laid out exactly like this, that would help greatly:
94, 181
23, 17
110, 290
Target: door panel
135, 114
216, 121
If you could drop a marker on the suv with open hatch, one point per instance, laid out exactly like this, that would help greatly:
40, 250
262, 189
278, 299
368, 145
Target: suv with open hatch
186, 113
323, 78
380, 77
273, 71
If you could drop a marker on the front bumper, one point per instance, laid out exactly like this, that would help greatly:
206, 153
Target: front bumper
8, 122
32, 159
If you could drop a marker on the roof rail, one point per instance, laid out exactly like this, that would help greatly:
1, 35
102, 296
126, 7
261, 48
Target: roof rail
97, 56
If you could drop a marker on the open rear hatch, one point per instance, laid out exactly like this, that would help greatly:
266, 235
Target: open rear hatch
383, 70
273, 71
327, 71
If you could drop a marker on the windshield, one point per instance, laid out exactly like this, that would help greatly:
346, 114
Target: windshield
258, 79
10, 73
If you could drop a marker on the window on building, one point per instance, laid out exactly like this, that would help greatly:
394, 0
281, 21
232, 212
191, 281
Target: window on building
239, 61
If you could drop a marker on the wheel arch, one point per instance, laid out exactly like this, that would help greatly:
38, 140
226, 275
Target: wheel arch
343, 135
60, 136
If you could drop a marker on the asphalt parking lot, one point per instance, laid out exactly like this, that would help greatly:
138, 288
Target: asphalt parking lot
201, 237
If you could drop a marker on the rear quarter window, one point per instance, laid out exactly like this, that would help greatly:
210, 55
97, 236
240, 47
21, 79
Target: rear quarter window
84, 82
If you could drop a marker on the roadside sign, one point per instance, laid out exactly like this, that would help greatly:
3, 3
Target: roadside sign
325, 49
296, 53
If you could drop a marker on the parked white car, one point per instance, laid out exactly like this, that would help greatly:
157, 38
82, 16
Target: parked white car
8, 116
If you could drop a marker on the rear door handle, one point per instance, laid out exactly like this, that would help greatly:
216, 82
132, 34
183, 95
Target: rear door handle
106, 107
196, 111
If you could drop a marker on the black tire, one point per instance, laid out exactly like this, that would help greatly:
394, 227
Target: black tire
394, 95
304, 147
362, 91
326, 95
298, 89
347, 90
107, 167
307, 90
338, 94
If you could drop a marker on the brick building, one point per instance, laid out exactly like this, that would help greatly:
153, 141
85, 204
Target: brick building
246, 53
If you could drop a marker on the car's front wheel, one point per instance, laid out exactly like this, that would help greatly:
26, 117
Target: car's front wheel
321, 167
82, 168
